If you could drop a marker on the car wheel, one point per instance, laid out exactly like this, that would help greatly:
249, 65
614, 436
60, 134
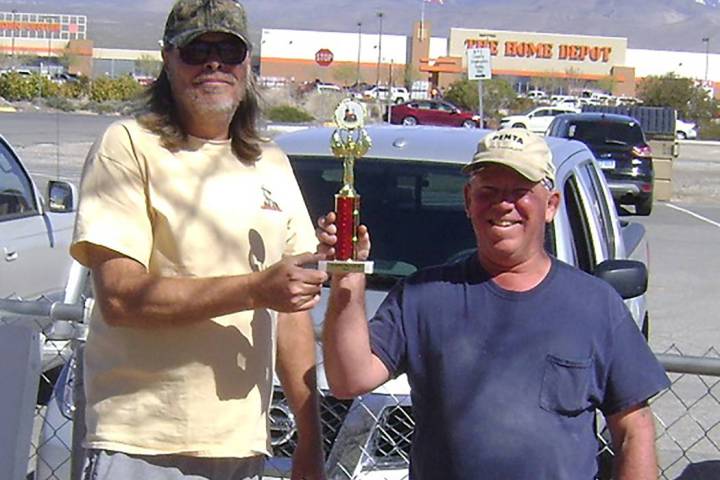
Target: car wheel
409, 121
644, 207
47, 383
469, 124
681, 135
519, 125
398, 101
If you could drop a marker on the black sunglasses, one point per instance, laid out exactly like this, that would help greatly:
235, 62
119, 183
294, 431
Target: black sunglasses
231, 52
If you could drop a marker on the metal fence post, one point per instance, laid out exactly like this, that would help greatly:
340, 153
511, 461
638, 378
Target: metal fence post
19, 375
77, 460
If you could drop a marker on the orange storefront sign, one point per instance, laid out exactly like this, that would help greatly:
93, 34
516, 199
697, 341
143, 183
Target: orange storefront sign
542, 50
30, 26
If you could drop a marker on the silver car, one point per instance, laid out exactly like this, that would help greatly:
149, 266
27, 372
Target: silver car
411, 187
34, 234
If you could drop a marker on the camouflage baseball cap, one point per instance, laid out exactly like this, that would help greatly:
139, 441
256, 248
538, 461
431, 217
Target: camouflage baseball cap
189, 19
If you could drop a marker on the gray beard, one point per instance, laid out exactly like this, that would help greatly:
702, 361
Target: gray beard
196, 103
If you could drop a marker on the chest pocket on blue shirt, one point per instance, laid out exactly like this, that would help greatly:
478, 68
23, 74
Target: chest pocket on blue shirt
565, 385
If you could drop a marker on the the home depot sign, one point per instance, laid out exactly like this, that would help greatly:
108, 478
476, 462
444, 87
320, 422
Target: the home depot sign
540, 54
543, 50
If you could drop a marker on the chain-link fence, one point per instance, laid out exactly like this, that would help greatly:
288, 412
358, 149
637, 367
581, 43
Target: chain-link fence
370, 437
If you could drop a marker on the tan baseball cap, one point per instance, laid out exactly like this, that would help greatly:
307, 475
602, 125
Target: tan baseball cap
517, 148
189, 19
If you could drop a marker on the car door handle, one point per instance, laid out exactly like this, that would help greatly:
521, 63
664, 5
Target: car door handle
10, 255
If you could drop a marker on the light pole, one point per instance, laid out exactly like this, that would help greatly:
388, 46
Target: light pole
12, 34
706, 40
357, 75
380, 18
48, 32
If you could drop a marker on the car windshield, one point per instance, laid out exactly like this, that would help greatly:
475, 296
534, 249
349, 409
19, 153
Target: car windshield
414, 210
599, 132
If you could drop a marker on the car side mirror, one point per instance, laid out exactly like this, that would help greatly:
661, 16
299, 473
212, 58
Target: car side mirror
628, 277
61, 196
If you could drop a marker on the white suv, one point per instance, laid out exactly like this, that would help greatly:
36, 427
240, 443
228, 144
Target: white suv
381, 92
537, 120
685, 130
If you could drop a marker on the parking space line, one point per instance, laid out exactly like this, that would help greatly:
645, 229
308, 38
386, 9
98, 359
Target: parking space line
693, 214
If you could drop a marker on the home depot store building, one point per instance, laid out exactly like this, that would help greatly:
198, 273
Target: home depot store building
46, 35
332, 56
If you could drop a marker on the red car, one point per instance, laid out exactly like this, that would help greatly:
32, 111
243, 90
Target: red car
432, 112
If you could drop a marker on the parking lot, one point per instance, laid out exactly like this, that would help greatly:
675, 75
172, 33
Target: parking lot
684, 233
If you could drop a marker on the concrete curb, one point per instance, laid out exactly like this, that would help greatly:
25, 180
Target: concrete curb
285, 128
712, 143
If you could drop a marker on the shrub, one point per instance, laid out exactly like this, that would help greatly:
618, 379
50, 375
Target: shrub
77, 89
709, 130
287, 113
60, 103
122, 88
15, 87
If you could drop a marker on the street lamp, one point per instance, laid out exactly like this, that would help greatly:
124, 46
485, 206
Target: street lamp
706, 40
357, 75
48, 32
380, 18
12, 34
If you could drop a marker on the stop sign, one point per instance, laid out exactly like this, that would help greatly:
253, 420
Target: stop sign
324, 57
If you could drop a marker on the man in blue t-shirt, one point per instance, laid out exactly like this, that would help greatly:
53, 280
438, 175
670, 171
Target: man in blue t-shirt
509, 353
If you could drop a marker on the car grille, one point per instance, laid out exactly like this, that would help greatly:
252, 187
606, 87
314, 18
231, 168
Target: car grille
283, 430
394, 436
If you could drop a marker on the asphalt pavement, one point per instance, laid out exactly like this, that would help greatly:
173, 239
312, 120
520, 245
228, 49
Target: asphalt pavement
684, 234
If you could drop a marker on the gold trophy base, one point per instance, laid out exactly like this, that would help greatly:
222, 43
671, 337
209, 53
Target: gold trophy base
345, 266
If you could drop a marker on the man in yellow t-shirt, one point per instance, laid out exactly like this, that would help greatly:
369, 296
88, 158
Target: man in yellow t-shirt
196, 233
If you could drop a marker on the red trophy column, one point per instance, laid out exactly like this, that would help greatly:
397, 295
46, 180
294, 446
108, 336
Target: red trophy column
347, 208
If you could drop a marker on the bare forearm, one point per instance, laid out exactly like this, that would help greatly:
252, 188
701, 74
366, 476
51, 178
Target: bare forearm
633, 437
130, 296
636, 460
296, 370
152, 302
350, 365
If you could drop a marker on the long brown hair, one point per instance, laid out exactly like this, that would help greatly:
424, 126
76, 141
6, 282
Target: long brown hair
161, 117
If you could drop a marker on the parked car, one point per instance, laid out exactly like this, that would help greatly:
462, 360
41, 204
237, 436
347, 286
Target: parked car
35, 233
411, 187
537, 120
536, 95
621, 150
685, 130
66, 77
328, 88
432, 112
383, 93
23, 72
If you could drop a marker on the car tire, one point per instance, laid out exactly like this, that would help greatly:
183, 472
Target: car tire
644, 207
46, 385
409, 121
469, 124
681, 136
519, 125
398, 101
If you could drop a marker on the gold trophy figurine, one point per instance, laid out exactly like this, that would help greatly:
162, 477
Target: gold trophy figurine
349, 141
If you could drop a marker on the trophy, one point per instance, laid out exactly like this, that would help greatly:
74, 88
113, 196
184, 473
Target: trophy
349, 141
